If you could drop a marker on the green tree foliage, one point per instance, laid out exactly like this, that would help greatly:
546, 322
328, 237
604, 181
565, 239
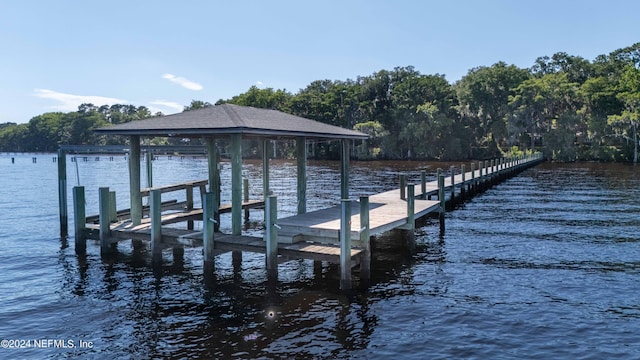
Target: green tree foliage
484, 99
564, 105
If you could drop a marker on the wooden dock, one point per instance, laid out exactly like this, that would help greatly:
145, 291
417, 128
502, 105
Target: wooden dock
316, 235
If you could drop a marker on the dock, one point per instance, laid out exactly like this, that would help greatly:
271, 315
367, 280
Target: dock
339, 234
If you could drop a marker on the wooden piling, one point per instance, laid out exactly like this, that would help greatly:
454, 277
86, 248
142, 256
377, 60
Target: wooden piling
442, 201
236, 184
365, 238
79, 218
105, 224
345, 244
208, 226
113, 213
271, 233
245, 196
423, 184
344, 170
134, 180
452, 198
214, 179
156, 226
411, 216
463, 171
301, 159
472, 183
403, 186
189, 197
148, 159
62, 193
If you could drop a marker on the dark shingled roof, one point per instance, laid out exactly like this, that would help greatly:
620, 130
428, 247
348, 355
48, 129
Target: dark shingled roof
228, 119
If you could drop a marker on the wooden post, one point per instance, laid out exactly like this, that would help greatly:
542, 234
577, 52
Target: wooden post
265, 174
411, 217
301, 158
472, 184
442, 201
344, 170
156, 225
463, 170
403, 186
236, 184
453, 185
79, 218
148, 159
423, 184
365, 238
245, 196
189, 196
103, 216
134, 180
345, 244
113, 212
208, 227
62, 192
271, 233
214, 180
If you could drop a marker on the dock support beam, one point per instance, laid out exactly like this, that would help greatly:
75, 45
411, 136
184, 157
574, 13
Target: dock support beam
236, 184
344, 170
463, 192
365, 238
453, 185
271, 233
403, 186
345, 244
62, 192
265, 174
214, 179
208, 226
301, 157
105, 224
134, 180
79, 218
423, 184
411, 216
442, 201
148, 160
156, 226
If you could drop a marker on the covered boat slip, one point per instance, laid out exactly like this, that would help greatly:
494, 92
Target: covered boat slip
338, 234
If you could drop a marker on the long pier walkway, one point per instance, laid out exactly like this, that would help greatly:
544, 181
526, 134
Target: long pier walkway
338, 234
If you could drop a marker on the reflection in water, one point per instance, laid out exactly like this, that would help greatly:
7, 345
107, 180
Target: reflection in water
544, 265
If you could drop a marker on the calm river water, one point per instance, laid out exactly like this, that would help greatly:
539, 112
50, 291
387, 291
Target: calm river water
543, 265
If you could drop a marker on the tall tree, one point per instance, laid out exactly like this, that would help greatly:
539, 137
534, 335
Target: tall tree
629, 93
484, 98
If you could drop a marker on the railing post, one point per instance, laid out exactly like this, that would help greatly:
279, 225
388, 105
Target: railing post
403, 186
271, 233
365, 238
156, 225
345, 244
79, 218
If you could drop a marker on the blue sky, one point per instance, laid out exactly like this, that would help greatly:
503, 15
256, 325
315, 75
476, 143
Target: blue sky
163, 54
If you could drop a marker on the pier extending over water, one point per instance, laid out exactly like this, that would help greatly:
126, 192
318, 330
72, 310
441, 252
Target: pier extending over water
339, 234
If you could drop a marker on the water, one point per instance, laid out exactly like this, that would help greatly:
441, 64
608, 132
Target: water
544, 265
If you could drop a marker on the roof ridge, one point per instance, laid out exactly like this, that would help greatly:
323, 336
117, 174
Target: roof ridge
233, 115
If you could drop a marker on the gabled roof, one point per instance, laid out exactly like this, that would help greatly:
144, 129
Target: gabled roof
228, 119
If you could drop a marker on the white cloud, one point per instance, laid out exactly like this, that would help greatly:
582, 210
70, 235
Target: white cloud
185, 83
259, 84
164, 105
70, 102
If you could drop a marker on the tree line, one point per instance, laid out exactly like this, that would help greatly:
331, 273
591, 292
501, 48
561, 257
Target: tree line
566, 106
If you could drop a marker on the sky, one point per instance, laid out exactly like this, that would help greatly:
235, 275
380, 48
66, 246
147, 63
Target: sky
56, 55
